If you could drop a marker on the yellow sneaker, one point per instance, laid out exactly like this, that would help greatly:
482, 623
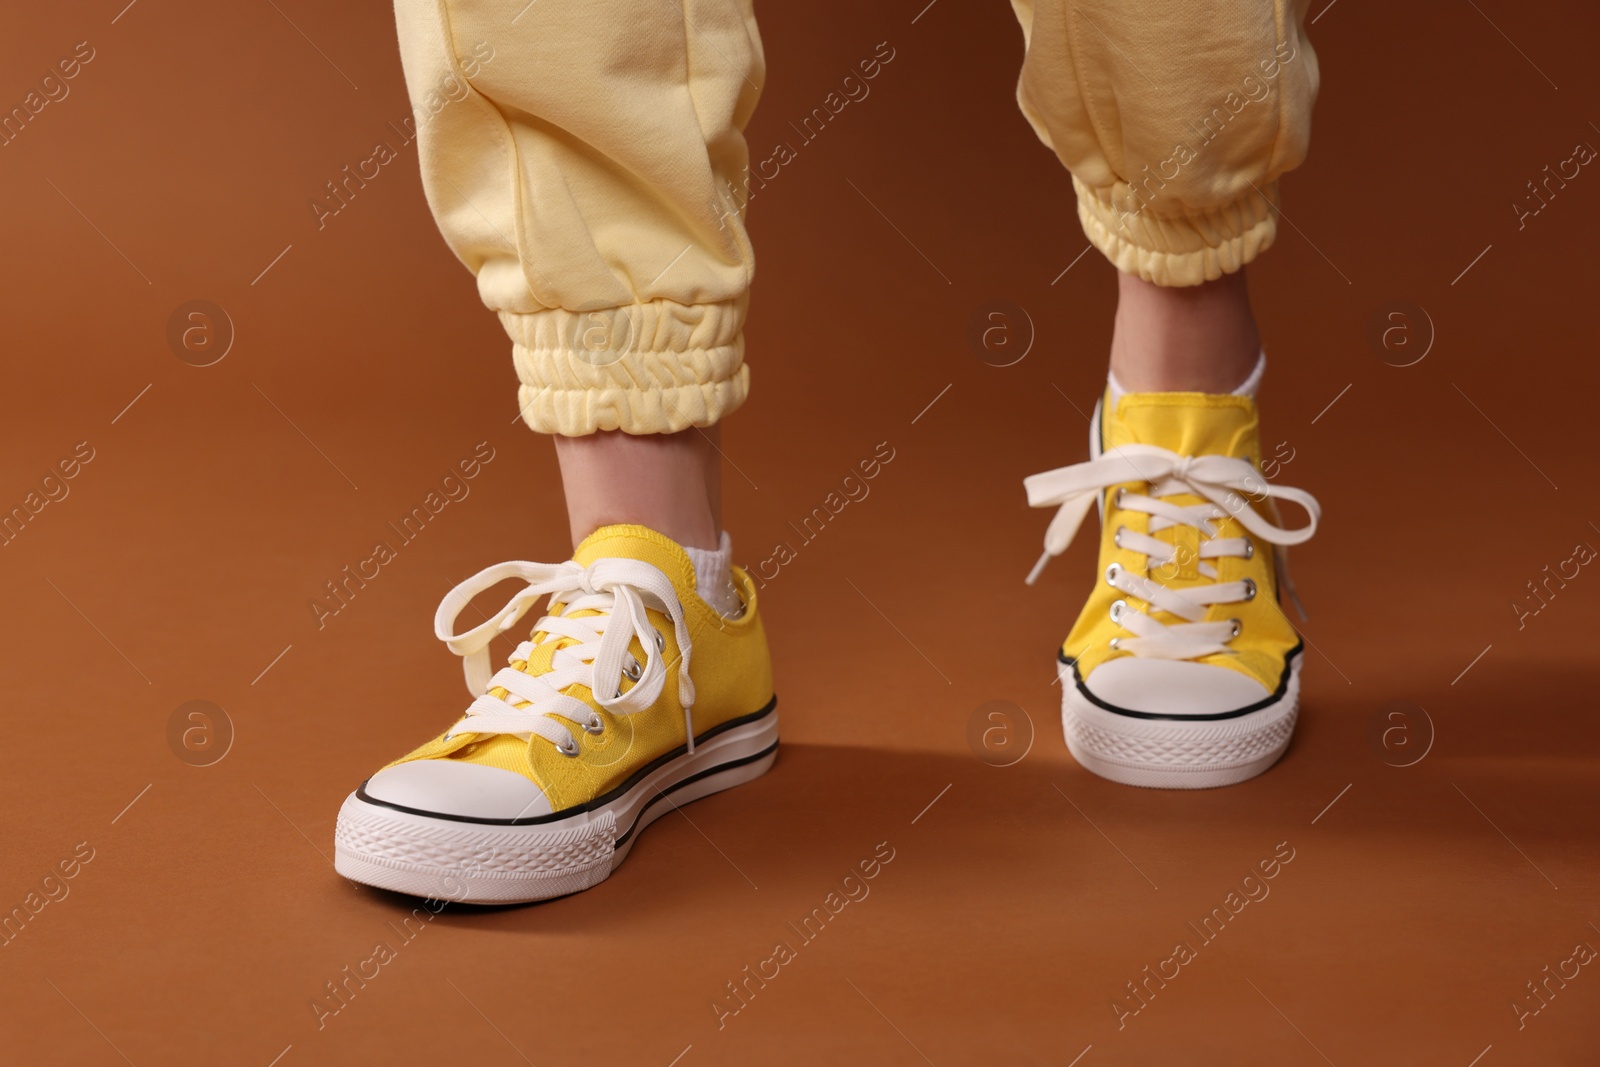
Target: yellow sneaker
631, 697
1182, 671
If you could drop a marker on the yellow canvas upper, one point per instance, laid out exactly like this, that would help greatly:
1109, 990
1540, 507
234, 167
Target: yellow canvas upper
728, 662
1191, 424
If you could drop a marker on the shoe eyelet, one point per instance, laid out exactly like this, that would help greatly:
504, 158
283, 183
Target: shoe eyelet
445, 738
1249, 549
1113, 572
1238, 627
596, 725
1117, 609
634, 670
1116, 643
1116, 499
1249, 589
661, 642
1116, 538
568, 748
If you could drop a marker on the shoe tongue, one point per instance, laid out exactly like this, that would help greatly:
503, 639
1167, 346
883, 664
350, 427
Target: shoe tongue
1190, 424
624, 542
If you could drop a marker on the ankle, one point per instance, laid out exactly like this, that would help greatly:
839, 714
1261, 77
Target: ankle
667, 482
1116, 390
1199, 338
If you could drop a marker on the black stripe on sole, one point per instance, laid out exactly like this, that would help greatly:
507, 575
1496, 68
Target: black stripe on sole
718, 769
634, 779
1283, 687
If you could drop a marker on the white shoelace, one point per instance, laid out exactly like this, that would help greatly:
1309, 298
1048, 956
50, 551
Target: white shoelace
595, 652
1222, 481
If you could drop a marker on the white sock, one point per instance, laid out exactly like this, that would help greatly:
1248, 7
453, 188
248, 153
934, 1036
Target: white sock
713, 578
1114, 391
1247, 388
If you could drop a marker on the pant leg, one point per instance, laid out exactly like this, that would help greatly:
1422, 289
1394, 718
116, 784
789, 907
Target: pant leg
1176, 120
586, 161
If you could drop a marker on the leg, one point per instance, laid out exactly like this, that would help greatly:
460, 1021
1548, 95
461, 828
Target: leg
1176, 122
1174, 162
587, 162
1199, 338
668, 482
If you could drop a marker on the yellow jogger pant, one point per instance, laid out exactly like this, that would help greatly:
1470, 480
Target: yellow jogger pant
587, 162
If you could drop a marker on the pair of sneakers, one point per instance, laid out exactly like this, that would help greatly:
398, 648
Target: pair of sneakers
633, 696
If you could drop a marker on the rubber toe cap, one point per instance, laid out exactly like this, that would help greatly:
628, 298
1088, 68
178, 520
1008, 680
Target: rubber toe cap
1176, 688
459, 789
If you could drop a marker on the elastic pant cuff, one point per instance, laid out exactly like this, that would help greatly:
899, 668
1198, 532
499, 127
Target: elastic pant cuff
658, 367
1176, 250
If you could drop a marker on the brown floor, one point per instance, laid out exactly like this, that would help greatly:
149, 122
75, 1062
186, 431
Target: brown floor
1021, 900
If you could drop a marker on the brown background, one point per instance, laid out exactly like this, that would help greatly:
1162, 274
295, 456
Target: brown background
1417, 906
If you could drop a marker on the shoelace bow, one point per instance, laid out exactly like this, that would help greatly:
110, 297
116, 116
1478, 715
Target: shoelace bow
1221, 481
593, 649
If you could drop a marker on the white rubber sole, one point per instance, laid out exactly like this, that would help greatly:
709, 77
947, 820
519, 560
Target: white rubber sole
517, 861
1176, 753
